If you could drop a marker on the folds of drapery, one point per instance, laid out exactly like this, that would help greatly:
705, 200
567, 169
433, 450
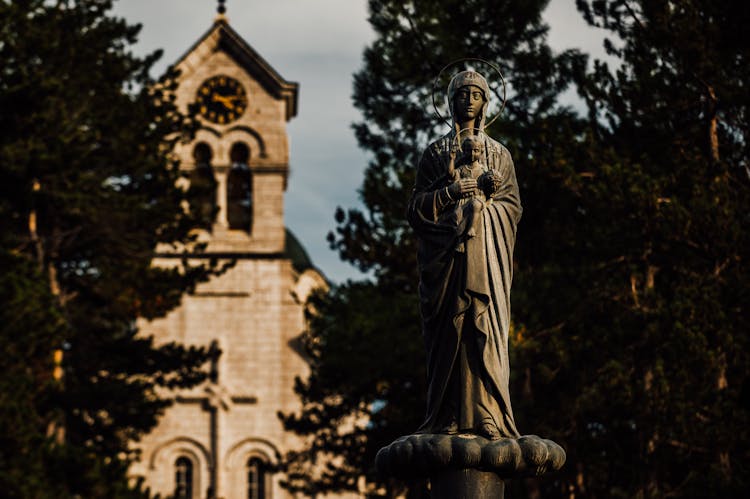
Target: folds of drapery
465, 284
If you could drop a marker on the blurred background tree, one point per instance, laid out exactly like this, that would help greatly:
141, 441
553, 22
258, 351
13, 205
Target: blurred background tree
629, 341
88, 191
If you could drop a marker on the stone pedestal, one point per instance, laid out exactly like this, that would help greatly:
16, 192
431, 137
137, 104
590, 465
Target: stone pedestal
468, 466
466, 484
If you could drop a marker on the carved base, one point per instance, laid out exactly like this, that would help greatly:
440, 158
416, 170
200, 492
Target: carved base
467, 484
431, 455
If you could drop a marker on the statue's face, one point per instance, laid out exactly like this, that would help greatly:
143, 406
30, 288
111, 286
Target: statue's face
467, 103
476, 151
473, 150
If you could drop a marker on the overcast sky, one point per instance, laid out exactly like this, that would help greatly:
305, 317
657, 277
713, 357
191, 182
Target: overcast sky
317, 43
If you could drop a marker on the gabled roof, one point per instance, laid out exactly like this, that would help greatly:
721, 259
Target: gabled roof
229, 41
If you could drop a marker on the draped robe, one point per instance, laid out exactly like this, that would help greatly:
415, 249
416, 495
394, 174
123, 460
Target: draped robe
464, 292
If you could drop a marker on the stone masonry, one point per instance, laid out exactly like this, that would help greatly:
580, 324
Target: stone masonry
220, 437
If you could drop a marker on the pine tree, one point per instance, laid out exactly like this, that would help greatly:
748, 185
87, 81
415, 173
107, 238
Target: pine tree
661, 409
88, 192
31, 324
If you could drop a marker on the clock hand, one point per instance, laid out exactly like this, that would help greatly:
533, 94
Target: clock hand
224, 100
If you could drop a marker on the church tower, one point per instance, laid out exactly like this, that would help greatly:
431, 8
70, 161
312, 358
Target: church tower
222, 438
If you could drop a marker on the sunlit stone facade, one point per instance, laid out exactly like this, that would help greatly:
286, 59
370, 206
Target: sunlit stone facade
219, 439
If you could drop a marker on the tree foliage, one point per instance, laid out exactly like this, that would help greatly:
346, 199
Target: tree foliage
88, 192
664, 192
630, 291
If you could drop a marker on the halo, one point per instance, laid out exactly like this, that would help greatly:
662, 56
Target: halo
476, 59
456, 138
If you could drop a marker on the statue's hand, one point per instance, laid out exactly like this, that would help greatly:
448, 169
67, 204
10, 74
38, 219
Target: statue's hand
461, 187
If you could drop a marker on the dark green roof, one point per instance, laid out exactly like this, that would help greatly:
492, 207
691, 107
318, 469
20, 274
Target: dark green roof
294, 250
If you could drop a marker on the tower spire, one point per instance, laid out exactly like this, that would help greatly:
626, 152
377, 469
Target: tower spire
221, 10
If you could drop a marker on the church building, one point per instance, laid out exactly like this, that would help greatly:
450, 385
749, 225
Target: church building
223, 438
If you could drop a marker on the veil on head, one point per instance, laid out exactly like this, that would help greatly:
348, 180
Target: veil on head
470, 78
473, 78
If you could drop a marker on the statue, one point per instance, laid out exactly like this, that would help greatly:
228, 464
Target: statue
465, 221
464, 211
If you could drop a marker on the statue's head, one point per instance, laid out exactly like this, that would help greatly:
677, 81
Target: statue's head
473, 148
468, 97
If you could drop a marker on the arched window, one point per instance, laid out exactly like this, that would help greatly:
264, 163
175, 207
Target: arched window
256, 478
202, 153
239, 153
240, 189
183, 478
203, 185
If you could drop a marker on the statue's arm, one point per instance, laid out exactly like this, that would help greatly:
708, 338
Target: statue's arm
452, 173
431, 196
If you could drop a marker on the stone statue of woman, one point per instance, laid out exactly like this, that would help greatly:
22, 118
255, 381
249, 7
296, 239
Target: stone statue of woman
464, 212
465, 276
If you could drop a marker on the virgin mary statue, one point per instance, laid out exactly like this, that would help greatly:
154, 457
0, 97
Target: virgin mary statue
465, 280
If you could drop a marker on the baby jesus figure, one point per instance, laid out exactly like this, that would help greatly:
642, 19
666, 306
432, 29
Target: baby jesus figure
467, 210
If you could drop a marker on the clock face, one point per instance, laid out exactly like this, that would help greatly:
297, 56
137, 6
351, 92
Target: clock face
221, 99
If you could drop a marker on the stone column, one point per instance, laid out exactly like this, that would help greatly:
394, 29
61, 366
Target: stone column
221, 174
